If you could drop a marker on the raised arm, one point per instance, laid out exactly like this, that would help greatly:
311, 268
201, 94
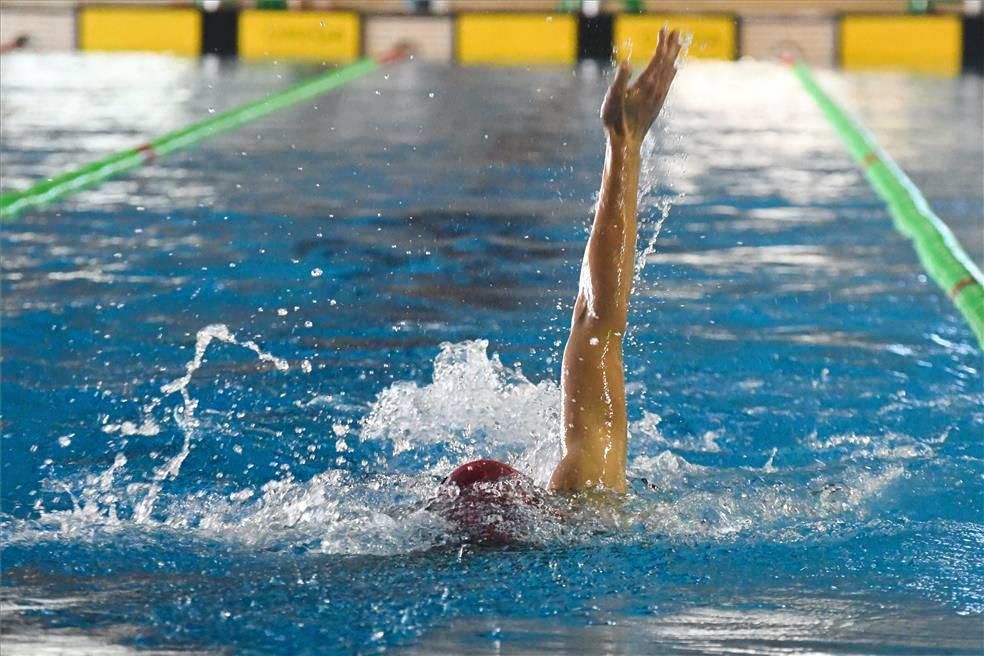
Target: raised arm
592, 378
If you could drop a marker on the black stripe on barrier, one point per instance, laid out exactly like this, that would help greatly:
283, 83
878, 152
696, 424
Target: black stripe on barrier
973, 44
220, 32
595, 37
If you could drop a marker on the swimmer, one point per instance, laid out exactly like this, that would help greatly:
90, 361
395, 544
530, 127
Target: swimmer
19, 43
592, 376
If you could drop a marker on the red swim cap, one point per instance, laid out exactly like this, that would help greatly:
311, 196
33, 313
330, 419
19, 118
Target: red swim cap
487, 501
479, 471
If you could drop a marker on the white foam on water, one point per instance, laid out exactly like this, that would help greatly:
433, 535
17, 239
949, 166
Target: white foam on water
703, 502
477, 404
97, 501
474, 406
331, 513
147, 428
886, 447
647, 428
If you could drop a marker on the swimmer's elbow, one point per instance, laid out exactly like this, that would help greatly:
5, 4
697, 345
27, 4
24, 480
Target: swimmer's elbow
582, 310
603, 318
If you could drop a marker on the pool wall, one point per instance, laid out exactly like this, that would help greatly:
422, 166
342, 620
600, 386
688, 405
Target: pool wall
854, 36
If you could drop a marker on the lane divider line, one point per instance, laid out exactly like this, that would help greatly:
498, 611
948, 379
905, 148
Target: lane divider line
13, 204
941, 255
869, 160
969, 280
148, 152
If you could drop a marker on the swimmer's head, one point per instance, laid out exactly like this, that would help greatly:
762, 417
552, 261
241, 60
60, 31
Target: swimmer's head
486, 502
479, 471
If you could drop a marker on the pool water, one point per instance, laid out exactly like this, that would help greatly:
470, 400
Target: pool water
233, 379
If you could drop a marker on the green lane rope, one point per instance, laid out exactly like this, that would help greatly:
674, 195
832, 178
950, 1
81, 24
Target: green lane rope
14, 203
938, 249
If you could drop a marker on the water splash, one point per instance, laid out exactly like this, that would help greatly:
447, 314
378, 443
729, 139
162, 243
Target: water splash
476, 405
650, 223
203, 338
99, 498
688, 500
653, 228
646, 431
184, 415
96, 502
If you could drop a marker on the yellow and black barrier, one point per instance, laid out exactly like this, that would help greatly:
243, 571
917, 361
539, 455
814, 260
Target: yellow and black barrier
920, 44
511, 39
714, 36
314, 35
931, 44
145, 29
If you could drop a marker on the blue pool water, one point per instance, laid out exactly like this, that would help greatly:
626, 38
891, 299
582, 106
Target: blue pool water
232, 379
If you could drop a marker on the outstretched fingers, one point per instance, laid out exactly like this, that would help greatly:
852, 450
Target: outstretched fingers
659, 74
675, 44
664, 58
629, 110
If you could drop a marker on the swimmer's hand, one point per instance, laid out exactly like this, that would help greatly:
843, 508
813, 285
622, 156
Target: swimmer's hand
629, 111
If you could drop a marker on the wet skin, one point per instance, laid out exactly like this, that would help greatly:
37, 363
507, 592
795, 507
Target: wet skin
592, 375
